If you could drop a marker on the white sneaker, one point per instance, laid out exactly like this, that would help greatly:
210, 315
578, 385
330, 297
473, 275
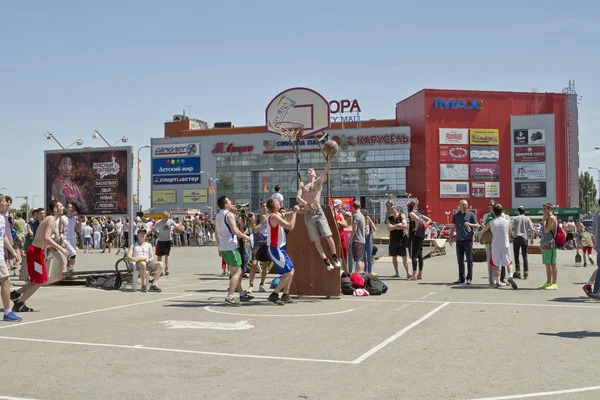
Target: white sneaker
330, 267
262, 289
249, 290
337, 264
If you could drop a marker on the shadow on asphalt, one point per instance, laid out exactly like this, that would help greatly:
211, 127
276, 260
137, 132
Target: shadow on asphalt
572, 335
574, 300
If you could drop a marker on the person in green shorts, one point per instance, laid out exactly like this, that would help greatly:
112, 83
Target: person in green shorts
548, 247
226, 235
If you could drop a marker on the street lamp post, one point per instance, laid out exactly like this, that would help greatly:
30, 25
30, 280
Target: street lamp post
598, 171
138, 175
33, 200
97, 135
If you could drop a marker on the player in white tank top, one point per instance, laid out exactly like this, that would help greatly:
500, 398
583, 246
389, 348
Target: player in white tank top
142, 254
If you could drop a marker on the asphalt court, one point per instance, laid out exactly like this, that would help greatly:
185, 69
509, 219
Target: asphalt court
425, 339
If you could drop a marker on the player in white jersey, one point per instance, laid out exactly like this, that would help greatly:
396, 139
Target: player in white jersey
66, 228
142, 254
227, 233
276, 241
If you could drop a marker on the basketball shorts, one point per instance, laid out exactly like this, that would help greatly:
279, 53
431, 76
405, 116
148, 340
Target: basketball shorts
36, 265
316, 224
163, 248
260, 253
3, 269
281, 260
587, 250
232, 258
67, 244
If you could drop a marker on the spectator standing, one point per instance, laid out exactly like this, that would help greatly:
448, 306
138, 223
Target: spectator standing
548, 246
397, 227
278, 196
522, 230
358, 237
463, 222
417, 235
370, 229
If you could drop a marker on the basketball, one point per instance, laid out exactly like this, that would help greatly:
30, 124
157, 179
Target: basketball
179, 229
331, 147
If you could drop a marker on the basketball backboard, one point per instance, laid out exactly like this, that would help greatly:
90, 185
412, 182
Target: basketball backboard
301, 105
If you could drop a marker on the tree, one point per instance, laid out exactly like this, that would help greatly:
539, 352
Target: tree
587, 192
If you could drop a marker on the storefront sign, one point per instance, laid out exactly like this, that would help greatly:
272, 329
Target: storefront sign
175, 180
492, 190
344, 106
454, 189
537, 136
401, 205
176, 150
484, 136
540, 211
230, 148
176, 166
485, 154
164, 196
96, 181
454, 136
530, 189
460, 104
450, 172
454, 154
530, 172
483, 172
478, 189
195, 196
521, 137
530, 154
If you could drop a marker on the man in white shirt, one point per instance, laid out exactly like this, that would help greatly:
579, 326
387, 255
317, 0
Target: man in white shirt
278, 195
142, 254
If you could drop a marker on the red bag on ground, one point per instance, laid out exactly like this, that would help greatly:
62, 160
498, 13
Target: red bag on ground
357, 280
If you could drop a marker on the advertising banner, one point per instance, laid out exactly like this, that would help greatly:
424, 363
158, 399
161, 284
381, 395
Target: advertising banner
485, 136
195, 196
455, 172
492, 190
176, 166
530, 154
521, 137
176, 150
454, 189
530, 172
164, 196
454, 154
537, 136
485, 154
483, 172
530, 189
175, 180
401, 205
478, 189
454, 136
96, 181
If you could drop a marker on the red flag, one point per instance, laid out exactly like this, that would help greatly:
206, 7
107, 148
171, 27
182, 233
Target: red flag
139, 170
211, 190
265, 189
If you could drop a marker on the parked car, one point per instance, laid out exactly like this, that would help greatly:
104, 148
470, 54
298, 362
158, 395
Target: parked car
589, 224
445, 232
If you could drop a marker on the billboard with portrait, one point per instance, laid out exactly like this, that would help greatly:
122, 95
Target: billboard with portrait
96, 181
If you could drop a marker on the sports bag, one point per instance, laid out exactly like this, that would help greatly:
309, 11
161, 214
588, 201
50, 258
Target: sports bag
373, 285
560, 239
357, 280
347, 286
106, 282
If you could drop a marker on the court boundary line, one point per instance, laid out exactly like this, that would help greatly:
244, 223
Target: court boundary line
398, 334
594, 305
14, 398
183, 351
542, 394
209, 309
17, 324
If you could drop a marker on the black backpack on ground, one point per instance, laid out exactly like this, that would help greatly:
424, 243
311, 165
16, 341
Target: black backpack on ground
373, 285
347, 286
106, 282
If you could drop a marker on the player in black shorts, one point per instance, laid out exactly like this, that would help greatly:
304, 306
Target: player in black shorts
397, 226
259, 249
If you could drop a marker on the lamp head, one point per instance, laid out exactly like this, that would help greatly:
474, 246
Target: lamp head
79, 142
48, 135
95, 134
124, 139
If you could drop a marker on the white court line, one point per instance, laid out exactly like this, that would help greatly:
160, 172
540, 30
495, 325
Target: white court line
398, 334
479, 303
210, 353
195, 284
426, 296
94, 311
543, 394
13, 398
208, 308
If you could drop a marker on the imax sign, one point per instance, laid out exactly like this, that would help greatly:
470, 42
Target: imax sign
459, 104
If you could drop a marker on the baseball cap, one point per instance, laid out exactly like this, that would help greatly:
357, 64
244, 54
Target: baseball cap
142, 230
337, 202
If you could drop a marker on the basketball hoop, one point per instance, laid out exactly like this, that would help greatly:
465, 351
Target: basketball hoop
290, 130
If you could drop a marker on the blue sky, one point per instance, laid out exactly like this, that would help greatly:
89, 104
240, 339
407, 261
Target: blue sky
125, 67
